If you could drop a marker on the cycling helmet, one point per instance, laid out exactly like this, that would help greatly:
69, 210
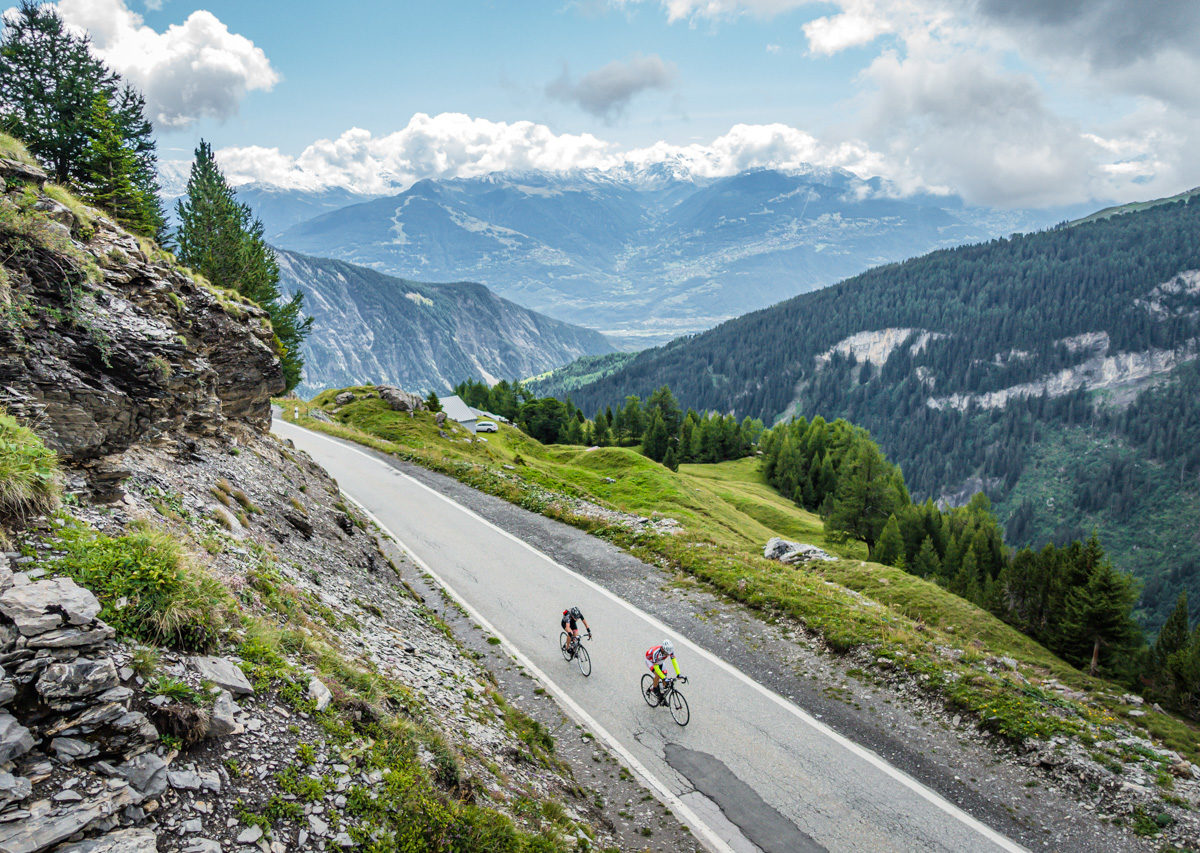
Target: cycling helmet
668, 647
575, 612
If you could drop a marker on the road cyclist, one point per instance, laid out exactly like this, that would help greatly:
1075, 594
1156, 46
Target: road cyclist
569, 643
654, 692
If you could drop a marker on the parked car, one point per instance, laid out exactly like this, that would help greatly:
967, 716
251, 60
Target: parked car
486, 426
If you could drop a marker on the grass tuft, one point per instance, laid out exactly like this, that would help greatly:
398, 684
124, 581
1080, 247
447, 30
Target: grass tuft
28, 472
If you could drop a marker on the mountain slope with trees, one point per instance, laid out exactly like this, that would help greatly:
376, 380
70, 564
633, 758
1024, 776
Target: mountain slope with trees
420, 336
970, 365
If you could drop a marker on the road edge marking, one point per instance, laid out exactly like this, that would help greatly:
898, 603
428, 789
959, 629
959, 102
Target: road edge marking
923, 791
664, 794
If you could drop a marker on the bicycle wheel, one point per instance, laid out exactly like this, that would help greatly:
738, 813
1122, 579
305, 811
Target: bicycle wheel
679, 708
647, 688
583, 660
562, 646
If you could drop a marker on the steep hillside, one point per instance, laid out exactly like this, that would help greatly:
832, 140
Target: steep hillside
646, 255
371, 327
968, 364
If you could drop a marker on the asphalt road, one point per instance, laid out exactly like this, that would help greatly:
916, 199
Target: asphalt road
750, 771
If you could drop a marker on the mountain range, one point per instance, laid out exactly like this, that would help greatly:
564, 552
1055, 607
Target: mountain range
1058, 372
371, 327
641, 254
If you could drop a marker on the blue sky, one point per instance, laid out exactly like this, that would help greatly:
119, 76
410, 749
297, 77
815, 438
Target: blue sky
1006, 102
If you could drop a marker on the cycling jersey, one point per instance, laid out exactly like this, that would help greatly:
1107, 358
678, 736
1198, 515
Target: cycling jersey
571, 619
656, 656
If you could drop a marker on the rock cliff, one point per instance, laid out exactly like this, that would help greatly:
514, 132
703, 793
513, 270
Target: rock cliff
105, 341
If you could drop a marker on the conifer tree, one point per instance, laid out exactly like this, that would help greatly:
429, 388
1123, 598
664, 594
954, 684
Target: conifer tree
220, 238
112, 179
654, 442
670, 461
1098, 616
926, 563
889, 550
433, 403
1174, 633
49, 82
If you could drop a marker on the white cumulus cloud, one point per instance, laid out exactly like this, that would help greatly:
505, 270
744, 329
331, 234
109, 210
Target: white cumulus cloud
197, 69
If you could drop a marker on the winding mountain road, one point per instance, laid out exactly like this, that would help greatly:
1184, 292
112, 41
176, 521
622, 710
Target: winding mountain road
751, 771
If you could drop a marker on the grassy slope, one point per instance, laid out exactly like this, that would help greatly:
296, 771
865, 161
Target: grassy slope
728, 512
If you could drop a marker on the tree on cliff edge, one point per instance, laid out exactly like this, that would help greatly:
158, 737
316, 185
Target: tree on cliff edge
220, 238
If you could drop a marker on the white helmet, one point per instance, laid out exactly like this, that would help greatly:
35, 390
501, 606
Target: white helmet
668, 647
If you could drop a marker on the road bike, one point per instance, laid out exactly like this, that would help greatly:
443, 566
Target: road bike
575, 651
671, 697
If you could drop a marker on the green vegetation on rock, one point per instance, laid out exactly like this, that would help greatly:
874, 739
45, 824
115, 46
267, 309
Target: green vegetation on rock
28, 472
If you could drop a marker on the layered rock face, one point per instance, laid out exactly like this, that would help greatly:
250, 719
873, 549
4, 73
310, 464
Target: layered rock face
105, 342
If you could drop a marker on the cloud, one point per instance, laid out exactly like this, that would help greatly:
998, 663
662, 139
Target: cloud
197, 69
774, 48
852, 28
453, 145
607, 91
448, 145
960, 123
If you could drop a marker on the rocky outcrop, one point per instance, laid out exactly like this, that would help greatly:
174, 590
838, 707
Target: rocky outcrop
793, 553
399, 400
107, 342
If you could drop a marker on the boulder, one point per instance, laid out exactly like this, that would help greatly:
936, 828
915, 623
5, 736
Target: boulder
42, 831
69, 749
120, 841
319, 693
45, 605
81, 677
792, 553
15, 739
344, 398
401, 401
71, 637
440, 418
222, 719
146, 772
13, 788
223, 673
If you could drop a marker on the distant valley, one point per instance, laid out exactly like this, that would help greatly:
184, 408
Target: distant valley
643, 255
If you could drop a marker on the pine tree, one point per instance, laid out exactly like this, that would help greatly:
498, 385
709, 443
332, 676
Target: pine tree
926, 563
49, 83
1098, 614
112, 180
1174, 633
433, 403
670, 461
220, 238
889, 550
655, 441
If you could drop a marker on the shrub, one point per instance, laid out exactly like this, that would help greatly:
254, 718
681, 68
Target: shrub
28, 471
147, 589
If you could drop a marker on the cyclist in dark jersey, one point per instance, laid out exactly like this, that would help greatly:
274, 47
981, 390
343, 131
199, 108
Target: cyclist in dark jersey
570, 620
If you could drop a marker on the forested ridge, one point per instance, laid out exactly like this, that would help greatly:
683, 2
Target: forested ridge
986, 318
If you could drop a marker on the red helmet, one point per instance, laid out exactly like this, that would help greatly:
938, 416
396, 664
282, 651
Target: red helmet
565, 612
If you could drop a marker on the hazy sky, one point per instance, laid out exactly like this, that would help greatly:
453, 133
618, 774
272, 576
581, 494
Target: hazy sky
1006, 102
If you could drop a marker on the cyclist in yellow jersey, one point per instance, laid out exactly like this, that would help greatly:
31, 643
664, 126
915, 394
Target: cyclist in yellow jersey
655, 657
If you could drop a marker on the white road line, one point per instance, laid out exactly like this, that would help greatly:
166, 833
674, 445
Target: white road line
862, 752
665, 795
